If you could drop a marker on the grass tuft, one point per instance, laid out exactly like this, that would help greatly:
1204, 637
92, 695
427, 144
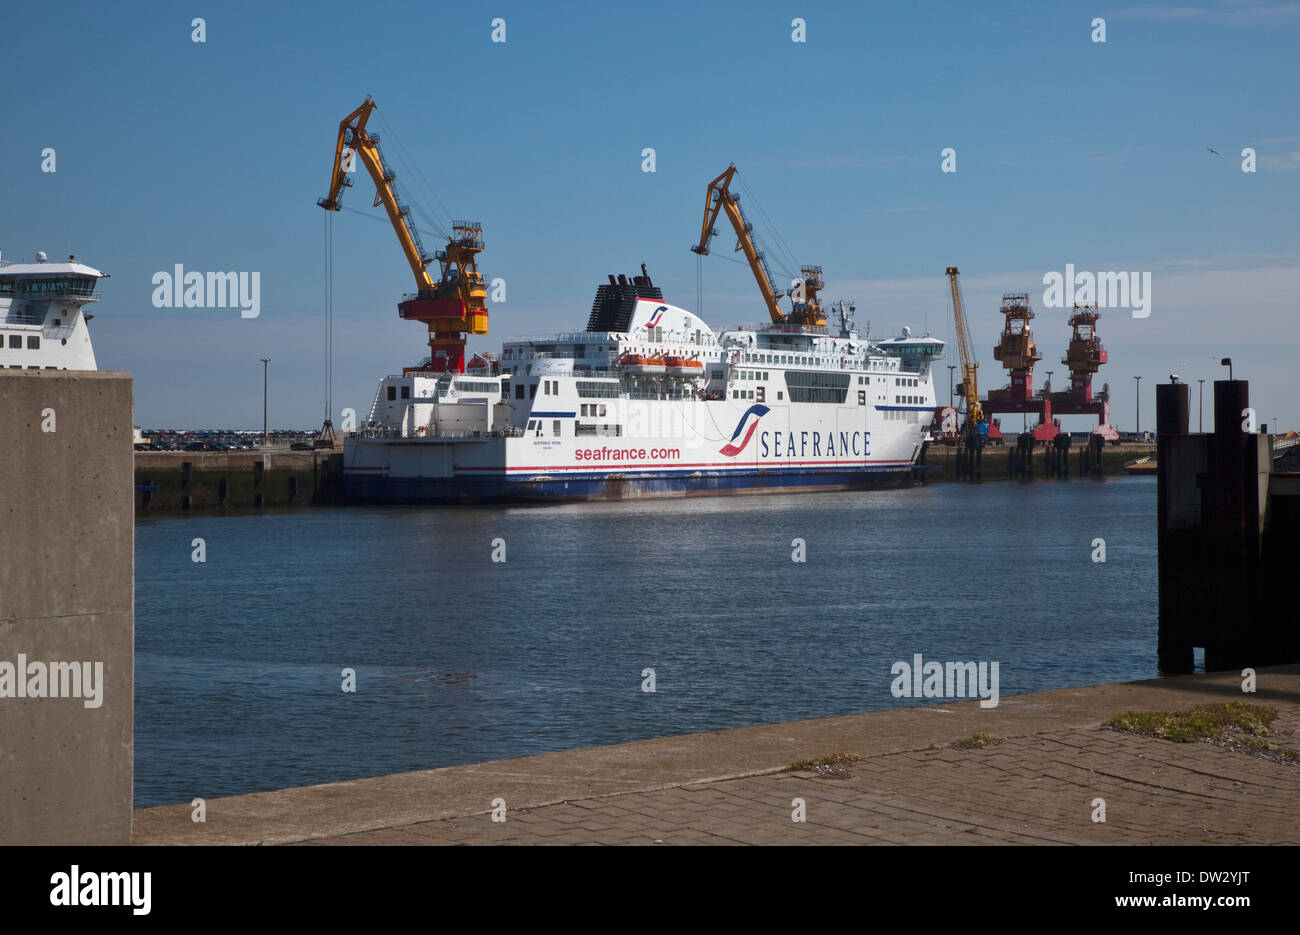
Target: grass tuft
1232, 725
831, 763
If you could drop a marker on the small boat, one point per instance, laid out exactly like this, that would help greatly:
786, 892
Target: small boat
681, 367
645, 366
1146, 465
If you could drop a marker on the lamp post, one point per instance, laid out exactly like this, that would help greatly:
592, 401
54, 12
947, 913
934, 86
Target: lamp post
1137, 397
1200, 407
265, 361
951, 368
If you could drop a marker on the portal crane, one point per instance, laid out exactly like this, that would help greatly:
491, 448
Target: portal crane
975, 422
806, 309
455, 304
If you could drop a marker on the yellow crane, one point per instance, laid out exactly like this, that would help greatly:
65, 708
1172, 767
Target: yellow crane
456, 303
718, 200
969, 366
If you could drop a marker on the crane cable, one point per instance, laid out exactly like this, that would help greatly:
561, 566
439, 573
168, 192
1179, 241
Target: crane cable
415, 171
329, 314
785, 254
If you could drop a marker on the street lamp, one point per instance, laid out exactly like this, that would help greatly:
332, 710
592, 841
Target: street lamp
1200, 407
1137, 394
265, 361
1048, 388
1227, 362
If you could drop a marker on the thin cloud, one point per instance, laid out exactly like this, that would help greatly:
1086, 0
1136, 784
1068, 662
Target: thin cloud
1232, 11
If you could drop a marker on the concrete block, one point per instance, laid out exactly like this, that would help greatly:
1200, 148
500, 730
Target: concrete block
67, 553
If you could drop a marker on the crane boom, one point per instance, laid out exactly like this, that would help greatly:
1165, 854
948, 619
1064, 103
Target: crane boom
718, 199
354, 138
969, 366
454, 304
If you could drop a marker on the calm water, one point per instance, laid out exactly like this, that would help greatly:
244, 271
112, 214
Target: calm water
459, 659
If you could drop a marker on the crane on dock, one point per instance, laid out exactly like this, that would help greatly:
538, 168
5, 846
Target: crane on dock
450, 307
975, 421
806, 309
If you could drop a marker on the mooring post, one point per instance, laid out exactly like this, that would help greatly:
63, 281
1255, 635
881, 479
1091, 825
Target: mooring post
1234, 528
1177, 534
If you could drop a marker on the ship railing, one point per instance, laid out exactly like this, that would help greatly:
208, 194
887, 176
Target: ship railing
390, 431
18, 318
782, 327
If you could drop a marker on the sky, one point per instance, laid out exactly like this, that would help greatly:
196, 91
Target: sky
1067, 151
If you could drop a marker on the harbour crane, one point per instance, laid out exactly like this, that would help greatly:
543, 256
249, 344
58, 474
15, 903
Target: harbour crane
975, 421
806, 309
456, 303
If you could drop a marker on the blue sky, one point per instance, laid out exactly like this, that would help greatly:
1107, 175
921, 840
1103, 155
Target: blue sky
212, 155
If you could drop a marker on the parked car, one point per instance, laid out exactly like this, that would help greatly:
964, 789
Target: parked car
300, 446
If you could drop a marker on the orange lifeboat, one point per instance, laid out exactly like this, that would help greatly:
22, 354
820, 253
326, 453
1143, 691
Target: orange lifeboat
644, 366
681, 367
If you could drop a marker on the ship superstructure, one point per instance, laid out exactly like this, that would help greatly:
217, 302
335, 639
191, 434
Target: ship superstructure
42, 322
650, 401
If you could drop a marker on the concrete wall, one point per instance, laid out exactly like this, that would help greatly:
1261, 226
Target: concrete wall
67, 563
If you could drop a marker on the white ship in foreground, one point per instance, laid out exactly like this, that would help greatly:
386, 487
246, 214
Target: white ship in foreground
649, 401
42, 325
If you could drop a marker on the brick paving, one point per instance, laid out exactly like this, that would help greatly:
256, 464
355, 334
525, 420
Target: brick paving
1034, 789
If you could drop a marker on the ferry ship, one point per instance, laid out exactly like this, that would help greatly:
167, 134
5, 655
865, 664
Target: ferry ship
42, 322
649, 401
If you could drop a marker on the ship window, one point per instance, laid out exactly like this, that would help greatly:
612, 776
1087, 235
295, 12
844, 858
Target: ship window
780, 395
735, 394
717, 374
392, 392
602, 410
532, 391
532, 423
519, 391
761, 397
15, 341
555, 427
33, 342
862, 397
406, 392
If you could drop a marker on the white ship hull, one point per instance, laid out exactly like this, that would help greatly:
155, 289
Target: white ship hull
774, 409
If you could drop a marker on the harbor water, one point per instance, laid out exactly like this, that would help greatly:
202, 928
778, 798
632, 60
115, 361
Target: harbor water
458, 658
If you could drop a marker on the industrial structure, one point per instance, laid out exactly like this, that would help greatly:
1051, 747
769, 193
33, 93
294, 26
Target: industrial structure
1018, 354
453, 306
806, 311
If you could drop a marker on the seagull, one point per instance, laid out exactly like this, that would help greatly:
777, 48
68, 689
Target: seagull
1215, 151
1173, 378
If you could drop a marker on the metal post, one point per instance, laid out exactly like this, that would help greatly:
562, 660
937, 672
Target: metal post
951, 368
1137, 396
1200, 408
265, 361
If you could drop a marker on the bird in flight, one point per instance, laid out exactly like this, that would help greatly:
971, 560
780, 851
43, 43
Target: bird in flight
1215, 151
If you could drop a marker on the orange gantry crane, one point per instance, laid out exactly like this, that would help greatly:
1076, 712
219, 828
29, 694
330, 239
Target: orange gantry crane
456, 304
806, 309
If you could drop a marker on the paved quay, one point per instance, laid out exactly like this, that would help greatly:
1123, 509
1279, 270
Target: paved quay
913, 783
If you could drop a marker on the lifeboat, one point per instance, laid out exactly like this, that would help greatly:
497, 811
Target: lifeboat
644, 366
681, 367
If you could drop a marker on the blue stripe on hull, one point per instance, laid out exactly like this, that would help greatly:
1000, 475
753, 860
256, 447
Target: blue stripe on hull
549, 488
